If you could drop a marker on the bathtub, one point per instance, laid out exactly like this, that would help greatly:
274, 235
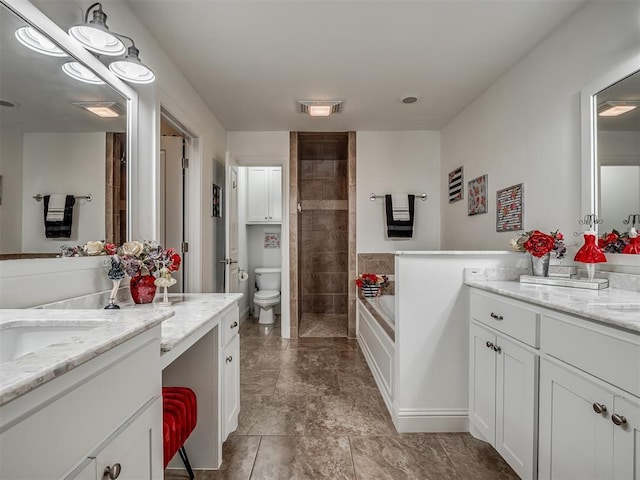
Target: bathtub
385, 306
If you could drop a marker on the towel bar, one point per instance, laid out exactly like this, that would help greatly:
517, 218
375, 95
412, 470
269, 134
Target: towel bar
88, 197
373, 197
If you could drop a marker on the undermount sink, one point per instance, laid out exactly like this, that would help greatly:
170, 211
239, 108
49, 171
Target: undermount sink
19, 338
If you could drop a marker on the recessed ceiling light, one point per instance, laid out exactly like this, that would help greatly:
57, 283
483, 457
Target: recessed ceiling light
408, 99
102, 109
614, 108
36, 41
320, 108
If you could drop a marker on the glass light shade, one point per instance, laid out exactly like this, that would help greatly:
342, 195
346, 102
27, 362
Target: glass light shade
131, 69
81, 73
36, 41
98, 39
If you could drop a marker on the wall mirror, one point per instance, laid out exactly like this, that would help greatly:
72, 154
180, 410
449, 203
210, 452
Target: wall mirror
611, 150
51, 143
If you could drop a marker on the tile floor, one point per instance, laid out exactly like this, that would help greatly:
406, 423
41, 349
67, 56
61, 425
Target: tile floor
323, 325
310, 409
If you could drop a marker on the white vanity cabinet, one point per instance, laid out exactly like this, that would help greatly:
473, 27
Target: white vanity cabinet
589, 405
230, 346
503, 373
103, 412
264, 194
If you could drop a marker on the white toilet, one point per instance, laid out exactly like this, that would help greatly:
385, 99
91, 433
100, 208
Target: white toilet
267, 295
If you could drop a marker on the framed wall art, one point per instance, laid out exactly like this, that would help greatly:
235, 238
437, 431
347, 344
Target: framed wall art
216, 200
456, 185
477, 192
510, 208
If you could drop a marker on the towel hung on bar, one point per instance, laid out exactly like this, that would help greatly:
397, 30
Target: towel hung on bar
60, 226
399, 228
400, 207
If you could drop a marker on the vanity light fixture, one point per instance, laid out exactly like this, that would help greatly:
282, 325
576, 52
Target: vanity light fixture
613, 108
94, 35
79, 72
317, 108
36, 41
130, 68
102, 109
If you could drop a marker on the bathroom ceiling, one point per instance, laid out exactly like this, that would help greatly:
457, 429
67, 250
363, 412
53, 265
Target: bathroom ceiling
252, 60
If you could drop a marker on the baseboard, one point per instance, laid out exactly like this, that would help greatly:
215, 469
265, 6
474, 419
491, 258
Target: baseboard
244, 315
376, 375
430, 420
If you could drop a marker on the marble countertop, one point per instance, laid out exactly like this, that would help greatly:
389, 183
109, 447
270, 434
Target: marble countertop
611, 306
456, 252
102, 331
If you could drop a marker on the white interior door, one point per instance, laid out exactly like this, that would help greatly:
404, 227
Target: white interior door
172, 186
231, 226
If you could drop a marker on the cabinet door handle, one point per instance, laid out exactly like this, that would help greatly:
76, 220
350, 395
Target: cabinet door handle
112, 472
497, 349
229, 359
233, 325
618, 419
599, 408
496, 317
490, 345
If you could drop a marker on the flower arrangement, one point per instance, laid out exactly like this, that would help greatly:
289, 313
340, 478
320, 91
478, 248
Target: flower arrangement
538, 243
613, 241
372, 279
147, 258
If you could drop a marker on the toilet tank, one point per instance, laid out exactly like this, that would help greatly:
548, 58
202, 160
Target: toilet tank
268, 278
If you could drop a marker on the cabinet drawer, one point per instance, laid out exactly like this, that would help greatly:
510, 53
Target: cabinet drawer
603, 352
230, 325
506, 316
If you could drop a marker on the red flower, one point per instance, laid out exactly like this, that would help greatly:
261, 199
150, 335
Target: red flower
110, 248
175, 261
539, 243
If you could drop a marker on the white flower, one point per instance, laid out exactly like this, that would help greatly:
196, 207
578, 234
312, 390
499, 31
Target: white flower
132, 248
94, 247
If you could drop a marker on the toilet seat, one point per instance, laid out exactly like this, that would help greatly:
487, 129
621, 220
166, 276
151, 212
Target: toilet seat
266, 294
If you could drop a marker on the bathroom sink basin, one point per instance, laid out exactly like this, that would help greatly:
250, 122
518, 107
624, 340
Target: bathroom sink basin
20, 338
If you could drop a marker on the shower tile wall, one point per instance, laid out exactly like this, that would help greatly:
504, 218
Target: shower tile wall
324, 223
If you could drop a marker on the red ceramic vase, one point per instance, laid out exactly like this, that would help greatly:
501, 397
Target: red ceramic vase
143, 290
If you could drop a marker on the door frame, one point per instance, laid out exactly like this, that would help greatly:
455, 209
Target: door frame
193, 203
285, 289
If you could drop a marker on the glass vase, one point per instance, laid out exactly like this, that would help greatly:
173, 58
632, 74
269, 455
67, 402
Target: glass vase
540, 265
143, 288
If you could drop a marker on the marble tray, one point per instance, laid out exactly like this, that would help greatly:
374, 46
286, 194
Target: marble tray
595, 284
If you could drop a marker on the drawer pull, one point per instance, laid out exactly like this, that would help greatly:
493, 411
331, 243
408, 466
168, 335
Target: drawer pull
498, 349
112, 472
599, 408
233, 325
229, 359
496, 317
490, 345
618, 419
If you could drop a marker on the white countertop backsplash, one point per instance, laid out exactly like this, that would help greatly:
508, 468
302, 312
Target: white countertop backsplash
113, 327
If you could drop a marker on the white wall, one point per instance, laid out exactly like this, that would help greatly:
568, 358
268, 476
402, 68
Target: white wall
526, 127
620, 189
258, 146
397, 162
68, 163
11, 207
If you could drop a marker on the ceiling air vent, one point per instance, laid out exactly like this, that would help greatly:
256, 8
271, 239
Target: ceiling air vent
320, 108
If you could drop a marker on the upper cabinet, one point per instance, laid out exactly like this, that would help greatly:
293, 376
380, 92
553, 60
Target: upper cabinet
264, 195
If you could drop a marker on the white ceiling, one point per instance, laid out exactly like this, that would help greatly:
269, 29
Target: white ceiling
252, 60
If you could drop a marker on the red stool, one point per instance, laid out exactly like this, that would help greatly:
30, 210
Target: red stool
179, 418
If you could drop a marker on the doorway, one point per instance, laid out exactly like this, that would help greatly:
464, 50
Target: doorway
174, 184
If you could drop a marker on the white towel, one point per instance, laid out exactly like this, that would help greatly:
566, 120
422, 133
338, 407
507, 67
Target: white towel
55, 213
400, 203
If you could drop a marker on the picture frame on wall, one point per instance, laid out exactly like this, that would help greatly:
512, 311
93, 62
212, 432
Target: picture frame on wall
456, 185
477, 195
216, 201
510, 208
